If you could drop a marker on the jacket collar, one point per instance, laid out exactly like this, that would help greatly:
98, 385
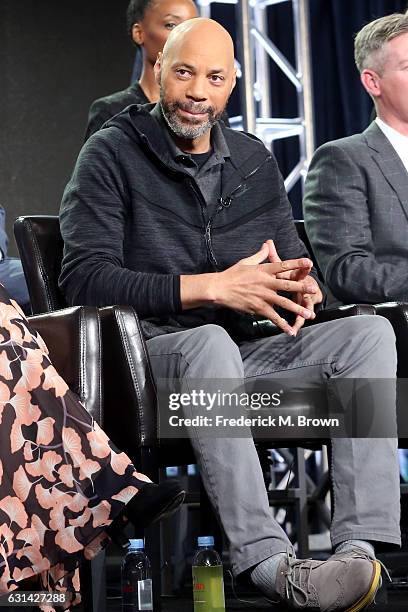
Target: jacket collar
389, 162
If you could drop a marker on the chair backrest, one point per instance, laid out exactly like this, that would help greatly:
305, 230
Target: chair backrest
40, 246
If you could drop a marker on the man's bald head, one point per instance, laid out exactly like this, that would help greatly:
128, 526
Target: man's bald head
196, 75
201, 35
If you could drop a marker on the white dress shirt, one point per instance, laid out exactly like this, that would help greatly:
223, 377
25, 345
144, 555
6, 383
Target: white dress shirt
397, 140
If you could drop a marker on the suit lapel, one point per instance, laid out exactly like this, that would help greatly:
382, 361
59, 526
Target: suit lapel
389, 162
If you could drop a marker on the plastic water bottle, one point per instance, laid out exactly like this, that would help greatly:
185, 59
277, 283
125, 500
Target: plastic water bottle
136, 579
208, 581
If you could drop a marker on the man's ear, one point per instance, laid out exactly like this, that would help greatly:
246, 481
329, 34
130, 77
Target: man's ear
371, 82
157, 67
234, 80
138, 34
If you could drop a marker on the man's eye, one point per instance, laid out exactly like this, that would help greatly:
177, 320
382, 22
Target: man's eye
216, 78
182, 73
170, 25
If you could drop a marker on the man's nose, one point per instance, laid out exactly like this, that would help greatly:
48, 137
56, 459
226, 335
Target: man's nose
197, 89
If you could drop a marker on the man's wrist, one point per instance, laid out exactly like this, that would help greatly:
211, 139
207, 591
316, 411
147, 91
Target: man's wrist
198, 290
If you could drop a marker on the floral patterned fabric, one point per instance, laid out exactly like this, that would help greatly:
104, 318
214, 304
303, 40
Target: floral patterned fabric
61, 478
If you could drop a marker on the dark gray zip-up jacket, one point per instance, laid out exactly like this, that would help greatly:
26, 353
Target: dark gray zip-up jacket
132, 221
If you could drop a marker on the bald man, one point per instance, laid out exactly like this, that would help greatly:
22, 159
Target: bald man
188, 221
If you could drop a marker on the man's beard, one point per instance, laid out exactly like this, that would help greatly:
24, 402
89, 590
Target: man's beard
185, 130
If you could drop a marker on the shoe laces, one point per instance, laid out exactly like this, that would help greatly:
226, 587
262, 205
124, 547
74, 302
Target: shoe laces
296, 569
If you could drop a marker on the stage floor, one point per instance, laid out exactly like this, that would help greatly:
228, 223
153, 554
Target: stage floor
396, 603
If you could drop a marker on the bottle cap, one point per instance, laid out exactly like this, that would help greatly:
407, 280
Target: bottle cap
136, 544
205, 541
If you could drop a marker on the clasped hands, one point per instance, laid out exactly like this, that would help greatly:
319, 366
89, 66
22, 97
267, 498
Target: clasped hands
252, 286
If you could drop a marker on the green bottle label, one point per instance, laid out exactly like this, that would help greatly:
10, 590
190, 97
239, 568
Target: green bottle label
208, 588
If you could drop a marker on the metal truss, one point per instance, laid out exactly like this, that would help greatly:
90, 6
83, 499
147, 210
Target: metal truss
255, 52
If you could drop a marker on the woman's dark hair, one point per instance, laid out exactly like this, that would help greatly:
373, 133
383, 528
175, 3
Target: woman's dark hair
135, 12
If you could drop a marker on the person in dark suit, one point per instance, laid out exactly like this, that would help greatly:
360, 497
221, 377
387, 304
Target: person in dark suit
356, 193
149, 24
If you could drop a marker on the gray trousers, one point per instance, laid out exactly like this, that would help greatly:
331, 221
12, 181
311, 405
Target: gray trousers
364, 471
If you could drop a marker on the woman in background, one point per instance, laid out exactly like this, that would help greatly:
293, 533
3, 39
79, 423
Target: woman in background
65, 490
149, 25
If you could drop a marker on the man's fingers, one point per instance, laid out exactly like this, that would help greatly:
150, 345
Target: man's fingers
290, 286
287, 265
308, 301
273, 253
305, 300
297, 275
270, 313
302, 273
274, 258
257, 258
298, 324
287, 275
274, 299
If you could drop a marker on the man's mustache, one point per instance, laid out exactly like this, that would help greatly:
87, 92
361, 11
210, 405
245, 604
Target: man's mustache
192, 107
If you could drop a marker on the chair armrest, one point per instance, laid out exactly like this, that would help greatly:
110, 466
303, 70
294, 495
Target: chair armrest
129, 390
350, 310
397, 315
73, 338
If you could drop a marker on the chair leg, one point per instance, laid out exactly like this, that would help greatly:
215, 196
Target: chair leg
85, 576
92, 576
98, 569
316, 498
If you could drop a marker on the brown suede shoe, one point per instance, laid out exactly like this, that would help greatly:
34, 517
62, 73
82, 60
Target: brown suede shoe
343, 583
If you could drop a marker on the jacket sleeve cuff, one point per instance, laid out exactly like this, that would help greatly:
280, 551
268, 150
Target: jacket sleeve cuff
323, 303
176, 293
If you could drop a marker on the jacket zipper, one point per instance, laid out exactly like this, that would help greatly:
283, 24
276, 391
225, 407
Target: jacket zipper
224, 203
207, 236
